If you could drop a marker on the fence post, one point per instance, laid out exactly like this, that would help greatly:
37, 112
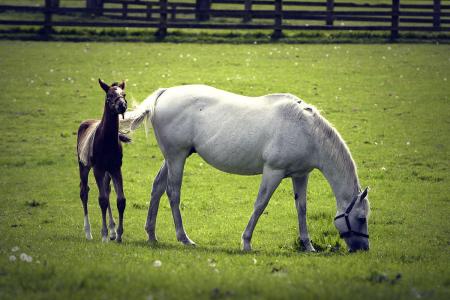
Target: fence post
248, 11
48, 17
437, 15
277, 32
202, 10
95, 6
173, 12
330, 16
395, 19
124, 10
55, 3
162, 30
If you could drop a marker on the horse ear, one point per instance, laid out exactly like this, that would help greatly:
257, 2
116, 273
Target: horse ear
122, 85
103, 85
364, 193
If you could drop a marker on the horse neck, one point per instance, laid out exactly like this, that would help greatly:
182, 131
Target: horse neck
341, 175
109, 125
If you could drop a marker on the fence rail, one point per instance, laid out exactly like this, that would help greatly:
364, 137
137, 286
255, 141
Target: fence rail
276, 15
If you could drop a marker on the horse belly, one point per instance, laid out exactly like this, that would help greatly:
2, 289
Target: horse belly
234, 160
232, 147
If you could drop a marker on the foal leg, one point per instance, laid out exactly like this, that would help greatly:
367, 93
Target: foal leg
121, 201
174, 180
112, 224
103, 200
84, 191
158, 189
300, 184
270, 181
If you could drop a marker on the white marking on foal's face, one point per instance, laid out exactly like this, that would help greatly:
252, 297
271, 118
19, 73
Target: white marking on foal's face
116, 99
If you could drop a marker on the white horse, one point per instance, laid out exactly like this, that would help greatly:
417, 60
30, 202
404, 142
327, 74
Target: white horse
276, 135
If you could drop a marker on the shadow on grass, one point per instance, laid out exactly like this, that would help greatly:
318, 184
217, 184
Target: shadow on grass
320, 251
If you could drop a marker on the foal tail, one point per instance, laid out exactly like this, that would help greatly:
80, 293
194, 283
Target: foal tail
141, 114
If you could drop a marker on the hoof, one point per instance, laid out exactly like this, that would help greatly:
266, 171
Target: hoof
88, 236
105, 239
119, 240
153, 242
185, 240
112, 236
246, 247
188, 243
306, 246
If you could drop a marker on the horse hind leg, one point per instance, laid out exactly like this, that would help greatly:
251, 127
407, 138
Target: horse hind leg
84, 192
103, 200
175, 176
299, 184
158, 189
112, 223
121, 201
270, 181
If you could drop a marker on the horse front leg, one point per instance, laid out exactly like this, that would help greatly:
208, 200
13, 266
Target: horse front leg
84, 192
121, 201
300, 184
158, 189
103, 200
174, 180
270, 181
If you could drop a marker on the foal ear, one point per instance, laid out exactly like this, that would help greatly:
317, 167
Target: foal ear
103, 85
122, 85
364, 193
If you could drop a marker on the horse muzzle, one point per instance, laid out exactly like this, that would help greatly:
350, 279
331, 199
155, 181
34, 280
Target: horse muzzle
361, 245
121, 108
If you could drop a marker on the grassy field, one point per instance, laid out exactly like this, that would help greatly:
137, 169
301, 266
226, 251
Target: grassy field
390, 103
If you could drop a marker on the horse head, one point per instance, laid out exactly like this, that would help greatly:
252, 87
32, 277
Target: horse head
352, 224
115, 97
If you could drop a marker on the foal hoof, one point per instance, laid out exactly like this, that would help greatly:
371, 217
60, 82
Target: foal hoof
112, 236
105, 239
88, 236
246, 247
153, 242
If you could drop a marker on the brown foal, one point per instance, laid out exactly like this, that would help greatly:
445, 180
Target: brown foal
99, 147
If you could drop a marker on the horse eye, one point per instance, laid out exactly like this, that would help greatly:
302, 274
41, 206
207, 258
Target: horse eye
362, 219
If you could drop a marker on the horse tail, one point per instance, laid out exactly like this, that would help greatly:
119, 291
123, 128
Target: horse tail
143, 113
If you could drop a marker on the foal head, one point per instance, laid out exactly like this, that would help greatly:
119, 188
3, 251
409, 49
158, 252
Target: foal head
352, 224
115, 97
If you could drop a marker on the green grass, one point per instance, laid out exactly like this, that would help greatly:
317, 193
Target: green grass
390, 103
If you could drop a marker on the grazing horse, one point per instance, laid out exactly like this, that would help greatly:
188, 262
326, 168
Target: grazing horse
99, 147
276, 135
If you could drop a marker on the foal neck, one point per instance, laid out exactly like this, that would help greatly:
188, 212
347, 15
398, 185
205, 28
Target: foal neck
109, 124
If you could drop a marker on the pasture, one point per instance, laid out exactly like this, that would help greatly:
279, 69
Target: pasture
389, 102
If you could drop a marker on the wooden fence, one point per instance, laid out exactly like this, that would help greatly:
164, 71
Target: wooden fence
275, 15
